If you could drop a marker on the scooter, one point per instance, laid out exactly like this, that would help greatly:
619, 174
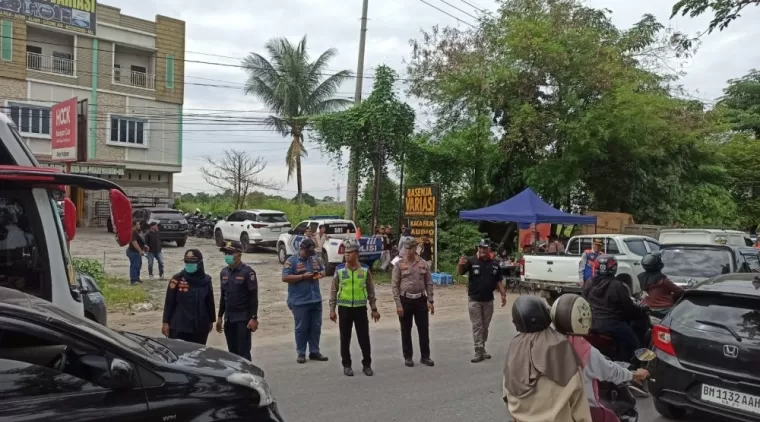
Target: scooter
621, 399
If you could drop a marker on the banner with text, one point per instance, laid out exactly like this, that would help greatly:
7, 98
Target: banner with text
420, 228
72, 15
421, 201
64, 132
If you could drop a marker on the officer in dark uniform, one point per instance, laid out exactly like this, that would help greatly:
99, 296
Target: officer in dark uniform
189, 303
239, 305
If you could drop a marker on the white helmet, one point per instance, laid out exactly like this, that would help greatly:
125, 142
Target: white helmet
571, 314
350, 245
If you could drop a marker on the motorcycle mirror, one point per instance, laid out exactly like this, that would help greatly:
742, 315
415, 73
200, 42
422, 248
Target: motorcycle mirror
644, 355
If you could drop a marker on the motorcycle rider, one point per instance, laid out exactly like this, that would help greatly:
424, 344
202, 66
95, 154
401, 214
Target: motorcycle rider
612, 307
571, 315
661, 292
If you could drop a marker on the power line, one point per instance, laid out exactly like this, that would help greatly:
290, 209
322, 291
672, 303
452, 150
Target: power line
449, 14
457, 8
476, 7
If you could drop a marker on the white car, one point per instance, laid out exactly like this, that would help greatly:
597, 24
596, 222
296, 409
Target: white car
251, 228
336, 229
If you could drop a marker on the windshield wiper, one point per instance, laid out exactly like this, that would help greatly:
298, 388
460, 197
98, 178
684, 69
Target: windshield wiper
719, 325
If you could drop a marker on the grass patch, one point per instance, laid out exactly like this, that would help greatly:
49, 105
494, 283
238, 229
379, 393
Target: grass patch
118, 293
381, 277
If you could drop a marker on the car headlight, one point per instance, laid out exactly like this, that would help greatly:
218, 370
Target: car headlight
253, 382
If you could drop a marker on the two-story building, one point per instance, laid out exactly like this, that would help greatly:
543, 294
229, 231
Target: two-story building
130, 71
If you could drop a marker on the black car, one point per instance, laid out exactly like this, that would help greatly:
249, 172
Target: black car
692, 263
57, 366
708, 350
171, 223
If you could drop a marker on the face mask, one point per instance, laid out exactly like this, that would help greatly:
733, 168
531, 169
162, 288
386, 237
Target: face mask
229, 259
191, 267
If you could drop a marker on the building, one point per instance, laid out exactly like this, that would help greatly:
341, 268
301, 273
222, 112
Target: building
130, 71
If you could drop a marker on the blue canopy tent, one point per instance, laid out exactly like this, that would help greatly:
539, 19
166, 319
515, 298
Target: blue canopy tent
525, 208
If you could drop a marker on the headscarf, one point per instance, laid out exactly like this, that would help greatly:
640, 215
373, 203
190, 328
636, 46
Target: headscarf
199, 277
533, 355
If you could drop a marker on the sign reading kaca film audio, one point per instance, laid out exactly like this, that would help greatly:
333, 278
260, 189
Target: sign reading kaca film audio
421, 202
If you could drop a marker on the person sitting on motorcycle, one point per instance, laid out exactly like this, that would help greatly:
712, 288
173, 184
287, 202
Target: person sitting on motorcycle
613, 307
542, 376
661, 292
571, 315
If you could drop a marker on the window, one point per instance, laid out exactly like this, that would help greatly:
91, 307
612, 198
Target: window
272, 218
339, 228
128, 131
653, 247
6, 44
740, 314
170, 72
612, 247
31, 120
696, 262
574, 247
33, 57
301, 228
751, 262
22, 265
636, 246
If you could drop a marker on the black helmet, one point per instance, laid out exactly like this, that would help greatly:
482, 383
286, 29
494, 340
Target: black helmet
607, 265
530, 314
652, 262
308, 245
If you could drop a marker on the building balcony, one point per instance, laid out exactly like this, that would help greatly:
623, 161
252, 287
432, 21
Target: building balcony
134, 78
50, 64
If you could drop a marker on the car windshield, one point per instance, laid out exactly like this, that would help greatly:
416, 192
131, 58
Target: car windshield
739, 314
272, 218
94, 329
696, 262
340, 228
166, 215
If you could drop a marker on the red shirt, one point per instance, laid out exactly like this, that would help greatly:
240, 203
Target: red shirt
662, 294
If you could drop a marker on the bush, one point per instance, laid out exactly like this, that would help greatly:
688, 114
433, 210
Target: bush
117, 292
295, 212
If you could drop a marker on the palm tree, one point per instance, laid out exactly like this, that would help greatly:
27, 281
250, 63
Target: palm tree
295, 89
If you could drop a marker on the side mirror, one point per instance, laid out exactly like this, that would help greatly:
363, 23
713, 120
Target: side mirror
290, 231
117, 375
121, 374
121, 216
69, 219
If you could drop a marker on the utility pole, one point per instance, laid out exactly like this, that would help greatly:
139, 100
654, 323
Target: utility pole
352, 189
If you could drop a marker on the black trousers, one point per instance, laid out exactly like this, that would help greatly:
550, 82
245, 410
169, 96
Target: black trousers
415, 310
348, 318
238, 338
199, 337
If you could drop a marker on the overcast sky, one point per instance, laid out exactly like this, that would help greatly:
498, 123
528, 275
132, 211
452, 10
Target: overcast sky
233, 28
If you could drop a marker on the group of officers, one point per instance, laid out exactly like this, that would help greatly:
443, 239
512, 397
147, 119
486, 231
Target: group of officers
190, 313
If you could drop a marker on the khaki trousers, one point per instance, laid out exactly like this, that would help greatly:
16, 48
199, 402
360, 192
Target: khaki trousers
480, 317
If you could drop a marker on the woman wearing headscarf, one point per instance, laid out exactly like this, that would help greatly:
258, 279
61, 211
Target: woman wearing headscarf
189, 312
542, 375
572, 316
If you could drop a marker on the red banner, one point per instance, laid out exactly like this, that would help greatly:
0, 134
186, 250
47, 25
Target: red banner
64, 131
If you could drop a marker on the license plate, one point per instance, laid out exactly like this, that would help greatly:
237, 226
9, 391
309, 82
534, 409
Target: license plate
170, 226
275, 229
729, 398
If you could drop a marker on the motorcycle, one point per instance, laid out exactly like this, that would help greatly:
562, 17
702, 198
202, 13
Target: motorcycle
621, 399
642, 326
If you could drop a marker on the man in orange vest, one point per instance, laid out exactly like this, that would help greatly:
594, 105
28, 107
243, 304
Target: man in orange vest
588, 265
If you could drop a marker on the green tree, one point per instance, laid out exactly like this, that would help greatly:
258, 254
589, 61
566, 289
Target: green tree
740, 105
724, 11
295, 89
388, 207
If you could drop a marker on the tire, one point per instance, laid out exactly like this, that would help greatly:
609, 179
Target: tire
109, 226
282, 253
329, 268
245, 244
219, 238
181, 243
668, 410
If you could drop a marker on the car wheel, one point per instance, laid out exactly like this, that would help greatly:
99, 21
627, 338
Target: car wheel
181, 243
109, 226
219, 238
668, 410
244, 243
282, 253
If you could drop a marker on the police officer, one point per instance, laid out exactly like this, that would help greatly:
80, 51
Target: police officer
352, 288
412, 288
588, 265
302, 273
483, 277
189, 303
239, 305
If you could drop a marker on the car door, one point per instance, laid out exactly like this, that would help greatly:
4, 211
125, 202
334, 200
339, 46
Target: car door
34, 388
232, 231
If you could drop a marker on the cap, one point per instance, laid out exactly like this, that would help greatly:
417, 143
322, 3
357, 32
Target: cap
598, 242
192, 255
410, 242
350, 245
484, 244
230, 249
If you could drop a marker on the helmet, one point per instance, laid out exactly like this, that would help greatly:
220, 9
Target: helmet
530, 314
652, 262
350, 245
571, 314
608, 265
197, 210
308, 245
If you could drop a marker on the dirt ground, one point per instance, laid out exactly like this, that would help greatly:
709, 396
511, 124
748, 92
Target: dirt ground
276, 322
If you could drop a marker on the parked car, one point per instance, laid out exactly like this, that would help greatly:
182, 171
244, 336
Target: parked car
171, 223
691, 263
708, 351
55, 363
251, 228
705, 236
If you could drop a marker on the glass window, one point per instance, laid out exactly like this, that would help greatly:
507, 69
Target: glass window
574, 247
636, 246
127, 131
166, 215
31, 119
22, 380
272, 218
752, 260
301, 228
612, 246
22, 265
340, 228
740, 314
696, 262
653, 247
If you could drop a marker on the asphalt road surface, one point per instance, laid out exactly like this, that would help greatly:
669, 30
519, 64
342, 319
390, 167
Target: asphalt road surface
453, 391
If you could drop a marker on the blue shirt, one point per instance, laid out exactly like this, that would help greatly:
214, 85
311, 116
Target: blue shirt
307, 291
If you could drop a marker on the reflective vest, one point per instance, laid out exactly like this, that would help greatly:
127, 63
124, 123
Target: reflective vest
352, 286
591, 264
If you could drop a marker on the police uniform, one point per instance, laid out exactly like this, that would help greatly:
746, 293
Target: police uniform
588, 264
412, 287
305, 301
483, 277
239, 304
189, 302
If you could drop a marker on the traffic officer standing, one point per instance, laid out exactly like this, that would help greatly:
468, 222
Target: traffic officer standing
239, 305
412, 288
302, 273
189, 302
352, 288
588, 264
483, 277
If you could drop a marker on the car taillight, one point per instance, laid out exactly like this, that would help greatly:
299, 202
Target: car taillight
341, 250
258, 226
661, 339
522, 266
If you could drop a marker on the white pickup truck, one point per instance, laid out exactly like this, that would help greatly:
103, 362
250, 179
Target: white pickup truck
556, 274
336, 229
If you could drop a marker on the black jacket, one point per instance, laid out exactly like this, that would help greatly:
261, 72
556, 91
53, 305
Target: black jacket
610, 300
